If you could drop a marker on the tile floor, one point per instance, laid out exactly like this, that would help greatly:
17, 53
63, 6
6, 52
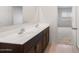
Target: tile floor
61, 48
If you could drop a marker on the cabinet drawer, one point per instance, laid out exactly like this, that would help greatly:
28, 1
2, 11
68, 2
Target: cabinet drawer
10, 48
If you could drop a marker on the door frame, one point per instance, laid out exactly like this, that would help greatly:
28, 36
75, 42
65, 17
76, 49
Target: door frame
74, 25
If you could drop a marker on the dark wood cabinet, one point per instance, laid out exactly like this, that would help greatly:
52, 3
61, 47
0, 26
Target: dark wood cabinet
37, 44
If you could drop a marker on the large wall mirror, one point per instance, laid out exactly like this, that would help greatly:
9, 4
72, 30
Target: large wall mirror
15, 15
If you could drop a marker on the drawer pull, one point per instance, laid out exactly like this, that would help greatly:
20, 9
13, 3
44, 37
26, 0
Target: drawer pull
6, 49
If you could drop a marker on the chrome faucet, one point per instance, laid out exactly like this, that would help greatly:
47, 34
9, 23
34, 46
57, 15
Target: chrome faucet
36, 25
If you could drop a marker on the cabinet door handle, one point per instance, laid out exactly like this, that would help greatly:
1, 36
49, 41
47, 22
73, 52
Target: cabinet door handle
6, 49
74, 28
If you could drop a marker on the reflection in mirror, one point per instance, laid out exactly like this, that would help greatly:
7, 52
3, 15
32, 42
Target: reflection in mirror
17, 15
12, 17
5, 16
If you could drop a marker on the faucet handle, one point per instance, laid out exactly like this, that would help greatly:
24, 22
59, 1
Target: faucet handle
36, 25
21, 31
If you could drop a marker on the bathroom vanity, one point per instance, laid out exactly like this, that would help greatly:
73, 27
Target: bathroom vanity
34, 42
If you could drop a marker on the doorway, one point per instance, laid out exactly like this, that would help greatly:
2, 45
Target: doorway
67, 25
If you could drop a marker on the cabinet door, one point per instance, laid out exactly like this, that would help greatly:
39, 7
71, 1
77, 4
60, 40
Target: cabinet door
39, 47
10, 48
47, 35
29, 47
45, 38
39, 43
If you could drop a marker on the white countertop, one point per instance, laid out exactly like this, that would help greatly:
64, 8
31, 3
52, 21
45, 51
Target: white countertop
30, 31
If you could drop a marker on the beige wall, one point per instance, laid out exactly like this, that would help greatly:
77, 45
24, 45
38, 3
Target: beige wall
50, 15
28, 13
